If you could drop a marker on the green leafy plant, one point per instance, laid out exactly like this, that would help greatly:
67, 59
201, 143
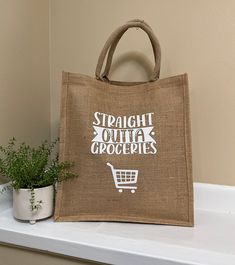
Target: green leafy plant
33, 167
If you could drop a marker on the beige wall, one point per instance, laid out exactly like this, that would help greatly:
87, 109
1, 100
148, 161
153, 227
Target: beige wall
24, 70
197, 37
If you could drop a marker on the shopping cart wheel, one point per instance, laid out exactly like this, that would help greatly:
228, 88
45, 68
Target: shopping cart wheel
132, 191
120, 190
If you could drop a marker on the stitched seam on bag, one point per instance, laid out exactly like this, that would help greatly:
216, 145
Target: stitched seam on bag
65, 126
64, 132
117, 218
186, 137
125, 90
185, 145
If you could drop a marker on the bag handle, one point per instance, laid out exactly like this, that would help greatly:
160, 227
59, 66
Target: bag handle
112, 42
113, 48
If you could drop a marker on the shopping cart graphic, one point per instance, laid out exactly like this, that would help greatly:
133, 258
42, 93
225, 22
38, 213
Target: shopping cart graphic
124, 178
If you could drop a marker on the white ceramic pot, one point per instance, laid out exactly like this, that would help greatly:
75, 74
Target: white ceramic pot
43, 203
5, 196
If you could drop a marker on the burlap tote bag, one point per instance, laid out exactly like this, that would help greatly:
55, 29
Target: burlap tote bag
130, 143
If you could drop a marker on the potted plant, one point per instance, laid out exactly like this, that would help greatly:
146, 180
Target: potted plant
33, 172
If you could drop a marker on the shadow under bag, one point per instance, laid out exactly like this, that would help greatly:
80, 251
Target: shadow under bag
130, 143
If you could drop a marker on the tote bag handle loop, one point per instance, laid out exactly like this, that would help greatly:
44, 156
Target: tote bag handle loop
113, 48
112, 42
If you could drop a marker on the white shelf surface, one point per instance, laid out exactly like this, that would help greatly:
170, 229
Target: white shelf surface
210, 242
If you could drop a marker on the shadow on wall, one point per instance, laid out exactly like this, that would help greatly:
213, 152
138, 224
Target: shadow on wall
134, 58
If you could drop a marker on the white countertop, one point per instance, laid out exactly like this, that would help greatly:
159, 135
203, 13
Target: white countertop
210, 242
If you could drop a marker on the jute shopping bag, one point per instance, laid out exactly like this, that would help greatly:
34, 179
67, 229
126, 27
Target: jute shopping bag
130, 143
